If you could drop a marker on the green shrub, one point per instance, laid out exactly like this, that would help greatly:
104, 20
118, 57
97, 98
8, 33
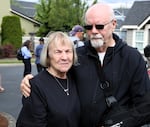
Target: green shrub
11, 31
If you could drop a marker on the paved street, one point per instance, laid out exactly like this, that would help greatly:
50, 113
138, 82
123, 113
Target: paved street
10, 99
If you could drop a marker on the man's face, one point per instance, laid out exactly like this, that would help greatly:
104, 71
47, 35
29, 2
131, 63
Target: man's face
99, 30
100, 33
80, 35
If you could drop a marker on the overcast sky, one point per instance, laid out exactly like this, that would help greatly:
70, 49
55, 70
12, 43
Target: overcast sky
114, 3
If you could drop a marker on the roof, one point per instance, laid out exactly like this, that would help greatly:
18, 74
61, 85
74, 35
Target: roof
139, 12
120, 14
25, 8
123, 11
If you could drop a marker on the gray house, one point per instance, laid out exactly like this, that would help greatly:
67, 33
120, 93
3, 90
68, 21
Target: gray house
137, 25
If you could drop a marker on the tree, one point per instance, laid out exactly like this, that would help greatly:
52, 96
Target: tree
59, 14
42, 15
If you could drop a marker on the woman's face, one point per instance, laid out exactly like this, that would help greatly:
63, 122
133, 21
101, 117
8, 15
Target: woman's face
61, 57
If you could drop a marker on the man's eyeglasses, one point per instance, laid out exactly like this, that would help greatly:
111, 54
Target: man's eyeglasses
97, 26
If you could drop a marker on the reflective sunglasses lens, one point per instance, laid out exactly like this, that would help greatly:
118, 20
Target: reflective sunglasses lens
99, 27
88, 27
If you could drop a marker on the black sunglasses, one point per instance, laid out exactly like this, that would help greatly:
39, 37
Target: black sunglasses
97, 26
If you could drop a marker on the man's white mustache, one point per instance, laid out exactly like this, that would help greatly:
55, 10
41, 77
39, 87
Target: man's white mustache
96, 37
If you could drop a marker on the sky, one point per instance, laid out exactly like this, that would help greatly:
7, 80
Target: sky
113, 3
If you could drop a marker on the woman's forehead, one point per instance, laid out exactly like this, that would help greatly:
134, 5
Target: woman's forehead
60, 45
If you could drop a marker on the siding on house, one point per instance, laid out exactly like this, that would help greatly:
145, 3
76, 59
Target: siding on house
138, 20
4, 9
28, 24
129, 37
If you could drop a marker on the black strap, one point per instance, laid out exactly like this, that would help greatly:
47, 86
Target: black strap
107, 88
76, 43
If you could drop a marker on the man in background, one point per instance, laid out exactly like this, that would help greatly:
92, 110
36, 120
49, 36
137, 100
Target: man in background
37, 55
77, 35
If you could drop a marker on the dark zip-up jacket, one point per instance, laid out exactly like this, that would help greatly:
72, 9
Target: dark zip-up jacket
123, 67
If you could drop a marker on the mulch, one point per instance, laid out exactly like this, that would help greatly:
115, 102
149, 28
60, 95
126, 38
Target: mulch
3, 121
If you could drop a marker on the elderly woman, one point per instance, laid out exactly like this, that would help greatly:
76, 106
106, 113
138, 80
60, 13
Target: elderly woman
54, 100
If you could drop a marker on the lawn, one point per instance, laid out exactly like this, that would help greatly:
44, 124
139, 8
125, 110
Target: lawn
12, 60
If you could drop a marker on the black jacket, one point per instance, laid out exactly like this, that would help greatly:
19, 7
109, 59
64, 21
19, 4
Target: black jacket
49, 104
125, 70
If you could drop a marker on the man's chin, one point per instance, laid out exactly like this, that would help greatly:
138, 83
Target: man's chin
98, 45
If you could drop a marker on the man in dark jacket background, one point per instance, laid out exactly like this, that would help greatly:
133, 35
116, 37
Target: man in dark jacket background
107, 62
38, 54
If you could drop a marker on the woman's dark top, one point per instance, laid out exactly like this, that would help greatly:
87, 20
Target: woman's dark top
49, 105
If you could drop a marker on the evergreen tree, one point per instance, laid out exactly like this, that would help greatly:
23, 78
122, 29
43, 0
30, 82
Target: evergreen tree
11, 31
59, 14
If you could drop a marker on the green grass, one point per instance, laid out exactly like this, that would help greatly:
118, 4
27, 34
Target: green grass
12, 60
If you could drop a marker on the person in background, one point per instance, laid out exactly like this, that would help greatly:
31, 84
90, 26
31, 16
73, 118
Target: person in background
147, 55
27, 56
37, 55
54, 100
105, 62
77, 35
1, 87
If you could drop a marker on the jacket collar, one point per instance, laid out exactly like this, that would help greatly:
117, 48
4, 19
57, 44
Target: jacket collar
111, 51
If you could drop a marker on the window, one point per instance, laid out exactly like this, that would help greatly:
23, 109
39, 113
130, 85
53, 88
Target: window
139, 40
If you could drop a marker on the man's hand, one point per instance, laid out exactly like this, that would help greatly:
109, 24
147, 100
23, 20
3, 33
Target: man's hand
25, 86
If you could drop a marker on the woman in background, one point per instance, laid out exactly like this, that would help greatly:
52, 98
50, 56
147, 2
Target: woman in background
27, 56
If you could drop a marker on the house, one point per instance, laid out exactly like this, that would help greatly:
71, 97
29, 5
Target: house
120, 15
137, 25
25, 11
